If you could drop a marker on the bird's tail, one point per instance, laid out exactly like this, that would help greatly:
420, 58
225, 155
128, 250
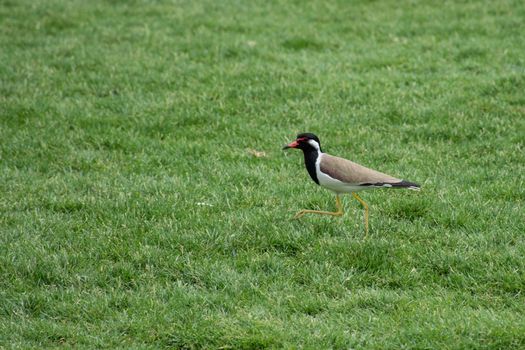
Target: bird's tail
408, 185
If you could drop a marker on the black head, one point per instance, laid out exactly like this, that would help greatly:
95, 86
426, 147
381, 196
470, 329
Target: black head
306, 142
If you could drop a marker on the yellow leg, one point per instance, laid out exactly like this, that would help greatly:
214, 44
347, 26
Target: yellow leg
366, 210
339, 211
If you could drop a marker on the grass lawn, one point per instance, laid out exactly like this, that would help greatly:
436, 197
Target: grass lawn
135, 214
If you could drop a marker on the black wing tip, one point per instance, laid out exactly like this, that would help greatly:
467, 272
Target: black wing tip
406, 184
402, 184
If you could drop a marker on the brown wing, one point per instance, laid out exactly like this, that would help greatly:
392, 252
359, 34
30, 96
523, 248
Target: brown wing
352, 173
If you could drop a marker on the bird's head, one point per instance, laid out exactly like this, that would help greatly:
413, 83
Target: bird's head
306, 142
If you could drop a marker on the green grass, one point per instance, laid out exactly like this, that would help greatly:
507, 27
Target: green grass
133, 215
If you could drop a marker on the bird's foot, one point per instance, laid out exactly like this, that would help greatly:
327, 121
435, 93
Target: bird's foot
300, 214
307, 211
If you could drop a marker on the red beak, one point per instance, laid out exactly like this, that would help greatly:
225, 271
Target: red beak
293, 144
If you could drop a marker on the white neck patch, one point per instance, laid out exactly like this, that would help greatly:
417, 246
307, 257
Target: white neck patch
314, 144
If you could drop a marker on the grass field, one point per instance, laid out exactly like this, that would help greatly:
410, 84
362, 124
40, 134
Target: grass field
134, 213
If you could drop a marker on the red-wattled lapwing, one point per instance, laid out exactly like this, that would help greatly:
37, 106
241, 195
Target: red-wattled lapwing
341, 175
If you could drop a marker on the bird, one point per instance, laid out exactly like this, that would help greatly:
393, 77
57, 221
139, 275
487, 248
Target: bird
341, 175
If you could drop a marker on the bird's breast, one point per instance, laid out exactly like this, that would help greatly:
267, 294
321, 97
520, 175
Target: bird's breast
310, 161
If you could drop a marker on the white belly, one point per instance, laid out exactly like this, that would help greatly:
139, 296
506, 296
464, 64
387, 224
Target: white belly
334, 184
